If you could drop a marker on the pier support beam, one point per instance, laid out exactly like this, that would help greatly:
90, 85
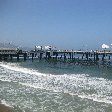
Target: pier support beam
47, 55
97, 58
87, 55
41, 56
32, 56
64, 57
72, 55
11, 57
25, 55
94, 56
17, 56
82, 56
56, 56
109, 57
103, 57
91, 55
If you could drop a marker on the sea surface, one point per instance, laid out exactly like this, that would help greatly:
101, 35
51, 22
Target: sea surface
40, 86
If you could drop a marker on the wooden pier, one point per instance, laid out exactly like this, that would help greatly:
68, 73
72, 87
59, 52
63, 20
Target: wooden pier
71, 56
79, 56
10, 53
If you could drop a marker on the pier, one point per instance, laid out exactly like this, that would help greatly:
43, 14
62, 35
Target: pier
69, 56
10, 53
81, 56
75, 56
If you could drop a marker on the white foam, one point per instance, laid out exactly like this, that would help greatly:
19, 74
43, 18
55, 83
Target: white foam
18, 69
74, 84
6, 103
96, 98
83, 96
5, 80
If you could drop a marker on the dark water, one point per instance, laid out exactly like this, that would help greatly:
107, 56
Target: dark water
47, 87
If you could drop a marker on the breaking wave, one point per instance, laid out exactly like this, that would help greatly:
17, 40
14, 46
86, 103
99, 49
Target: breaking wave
82, 85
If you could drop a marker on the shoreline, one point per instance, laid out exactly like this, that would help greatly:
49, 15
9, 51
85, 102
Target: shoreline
5, 108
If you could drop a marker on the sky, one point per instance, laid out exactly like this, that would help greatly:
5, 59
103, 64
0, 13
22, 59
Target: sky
65, 24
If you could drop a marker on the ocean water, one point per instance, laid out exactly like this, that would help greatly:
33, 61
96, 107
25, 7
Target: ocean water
39, 86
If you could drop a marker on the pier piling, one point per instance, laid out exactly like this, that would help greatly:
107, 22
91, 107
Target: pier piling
11, 57
41, 56
17, 56
25, 55
32, 56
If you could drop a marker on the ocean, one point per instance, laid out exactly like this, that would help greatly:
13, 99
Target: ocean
39, 86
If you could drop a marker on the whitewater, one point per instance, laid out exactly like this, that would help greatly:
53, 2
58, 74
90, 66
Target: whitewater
31, 89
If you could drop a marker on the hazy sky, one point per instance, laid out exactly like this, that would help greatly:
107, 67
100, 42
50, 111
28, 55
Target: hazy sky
68, 24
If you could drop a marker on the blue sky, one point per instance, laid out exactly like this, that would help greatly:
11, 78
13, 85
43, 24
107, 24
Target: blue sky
66, 24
